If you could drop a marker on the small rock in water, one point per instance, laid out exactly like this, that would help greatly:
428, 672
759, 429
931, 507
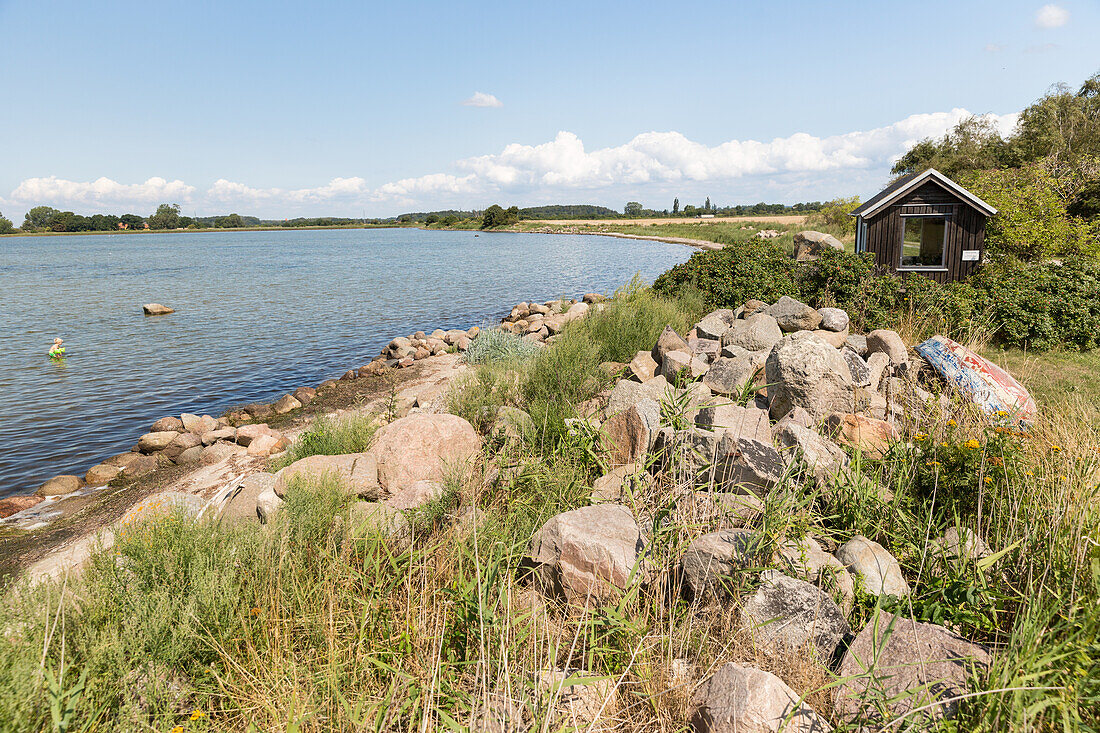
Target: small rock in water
156, 309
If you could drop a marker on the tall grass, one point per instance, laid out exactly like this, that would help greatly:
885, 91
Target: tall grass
331, 436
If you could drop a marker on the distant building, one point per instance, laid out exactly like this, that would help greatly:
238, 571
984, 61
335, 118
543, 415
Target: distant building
924, 223
706, 216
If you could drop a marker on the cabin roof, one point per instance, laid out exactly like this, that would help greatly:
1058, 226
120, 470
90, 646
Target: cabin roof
911, 182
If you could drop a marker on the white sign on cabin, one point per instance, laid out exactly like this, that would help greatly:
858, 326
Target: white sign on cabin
970, 255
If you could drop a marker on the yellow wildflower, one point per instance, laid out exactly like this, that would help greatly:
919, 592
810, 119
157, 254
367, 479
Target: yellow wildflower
1029, 473
920, 436
195, 715
973, 444
952, 423
988, 480
254, 611
1056, 448
177, 729
1002, 413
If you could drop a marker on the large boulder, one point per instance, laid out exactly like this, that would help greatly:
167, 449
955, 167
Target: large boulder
823, 457
902, 665
715, 324
152, 442
286, 404
866, 434
668, 341
805, 559
156, 309
857, 367
729, 376
834, 319
877, 568
643, 367
680, 364
794, 315
416, 495
60, 485
735, 421
627, 393
711, 559
590, 551
241, 503
758, 332
803, 371
423, 447
10, 505
358, 472
809, 245
181, 443
740, 699
788, 616
168, 424
749, 465
631, 433
101, 474
889, 343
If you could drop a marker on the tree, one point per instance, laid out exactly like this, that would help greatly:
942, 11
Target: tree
39, 218
230, 221
1086, 204
132, 221
676, 205
496, 216
632, 208
706, 206
167, 216
6, 227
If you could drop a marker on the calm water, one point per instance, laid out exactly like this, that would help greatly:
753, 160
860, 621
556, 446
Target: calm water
258, 314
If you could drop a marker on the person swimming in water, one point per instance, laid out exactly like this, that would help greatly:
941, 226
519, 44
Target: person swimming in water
57, 351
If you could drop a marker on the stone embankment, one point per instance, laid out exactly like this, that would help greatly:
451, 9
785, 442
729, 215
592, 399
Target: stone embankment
738, 411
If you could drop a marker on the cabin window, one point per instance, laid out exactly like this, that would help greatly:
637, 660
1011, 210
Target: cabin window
923, 241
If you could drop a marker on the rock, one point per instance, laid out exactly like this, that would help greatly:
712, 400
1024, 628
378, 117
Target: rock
729, 376
713, 558
247, 433
866, 434
213, 436
512, 423
163, 504
679, 365
786, 616
14, 504
609, 487
794, 315
305, 395
142, 466
754, 466
241, 503
802, 371
581, 697
374, 519
857, 344
643, 367
688, 455
752, 307
416, 495
357, 471
152, 442
734, 510
192, 423
808, 561
631, 433
913, 664
180, 443
889, 343
190, 456
101, 474
809, 245
626, 393
833, 319
218, 452
258, 410
857, 367
156, 309
589, 551
268, 504
267, 445
878, 569
668, 341
708, 349
736, 422
823, 457
835, 339
285, 404
168, 425
740, 699
876, 367
797, 416
758, 332
593, 298
714, 325
959, 543
577, 310
423, 446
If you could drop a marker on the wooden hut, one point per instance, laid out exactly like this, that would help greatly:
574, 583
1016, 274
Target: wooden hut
924, 223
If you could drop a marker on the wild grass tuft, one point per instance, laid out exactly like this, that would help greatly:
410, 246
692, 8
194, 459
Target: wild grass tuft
333, 436
495, 345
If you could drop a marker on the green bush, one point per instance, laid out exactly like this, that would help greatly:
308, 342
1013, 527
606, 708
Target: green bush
729, 276
331, 437
494, 344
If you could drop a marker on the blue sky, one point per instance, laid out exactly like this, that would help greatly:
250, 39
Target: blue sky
281, 109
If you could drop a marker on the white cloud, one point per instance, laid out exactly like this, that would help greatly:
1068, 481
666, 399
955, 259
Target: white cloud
798, 167
481, 99
1051, 16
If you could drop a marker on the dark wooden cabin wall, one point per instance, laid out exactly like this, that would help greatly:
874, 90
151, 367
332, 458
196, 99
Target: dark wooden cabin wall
965, 230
